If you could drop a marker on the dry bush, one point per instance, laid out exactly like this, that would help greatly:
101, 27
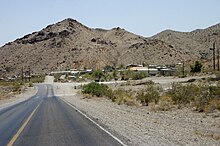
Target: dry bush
7, 89
212, 106
183, 94
165, 103
151, 94
202, 97
122, 97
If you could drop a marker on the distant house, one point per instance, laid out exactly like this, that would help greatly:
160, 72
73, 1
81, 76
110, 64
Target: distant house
133, 65
59, 72
89, 71
164, 71
150, 71
74, 72
152, 66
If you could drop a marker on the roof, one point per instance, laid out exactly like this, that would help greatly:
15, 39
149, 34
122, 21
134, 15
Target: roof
143, 69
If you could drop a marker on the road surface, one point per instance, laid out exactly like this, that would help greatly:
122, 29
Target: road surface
46, 120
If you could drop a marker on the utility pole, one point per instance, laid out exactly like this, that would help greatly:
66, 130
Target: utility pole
29, 71
183, 68
214, 56
22, 75
218, 58
213, 51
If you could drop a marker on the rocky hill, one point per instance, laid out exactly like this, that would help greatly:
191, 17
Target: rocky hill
70, 44
196, 42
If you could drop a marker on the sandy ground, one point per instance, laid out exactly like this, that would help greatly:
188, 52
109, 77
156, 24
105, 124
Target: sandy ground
142, 126
27, 92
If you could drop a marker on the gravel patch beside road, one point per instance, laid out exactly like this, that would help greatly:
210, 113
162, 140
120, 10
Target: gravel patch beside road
141, 126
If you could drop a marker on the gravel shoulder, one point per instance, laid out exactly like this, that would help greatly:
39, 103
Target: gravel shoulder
142, 126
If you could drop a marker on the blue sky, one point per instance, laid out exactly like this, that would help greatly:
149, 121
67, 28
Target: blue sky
143, 17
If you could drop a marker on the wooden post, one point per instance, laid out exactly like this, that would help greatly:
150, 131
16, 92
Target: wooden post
22, 75
218, 58
214, 56
29, 71
183, 68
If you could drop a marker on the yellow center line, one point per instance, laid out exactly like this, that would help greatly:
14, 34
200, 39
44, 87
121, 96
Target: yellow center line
15, 137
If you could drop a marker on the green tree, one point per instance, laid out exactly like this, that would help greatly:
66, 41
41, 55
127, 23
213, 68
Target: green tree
97, 74
108, 68
114, 74
197, 67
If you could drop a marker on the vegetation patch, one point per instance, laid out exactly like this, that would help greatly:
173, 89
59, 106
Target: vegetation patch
95, 89
151, 94
8, 89
201, 97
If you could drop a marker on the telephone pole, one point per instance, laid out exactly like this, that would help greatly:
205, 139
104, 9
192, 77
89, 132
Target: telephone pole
22, 75
29, 71
218, 58
214, 56
213, 51
183, 70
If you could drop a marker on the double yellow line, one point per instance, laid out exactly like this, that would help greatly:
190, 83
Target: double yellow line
15, 137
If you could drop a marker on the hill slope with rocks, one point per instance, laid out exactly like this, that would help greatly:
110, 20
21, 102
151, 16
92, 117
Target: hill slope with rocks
69, 44
196, 42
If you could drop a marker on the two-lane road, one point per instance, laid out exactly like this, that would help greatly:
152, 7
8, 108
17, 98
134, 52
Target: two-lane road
46, 120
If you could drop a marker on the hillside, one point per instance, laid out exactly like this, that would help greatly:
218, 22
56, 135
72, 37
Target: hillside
70, 44
196, 42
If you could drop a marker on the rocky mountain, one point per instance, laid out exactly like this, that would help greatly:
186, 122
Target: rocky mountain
70, 44
197, 42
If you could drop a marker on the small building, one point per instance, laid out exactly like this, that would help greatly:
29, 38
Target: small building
133, 65
167, 72
150, 71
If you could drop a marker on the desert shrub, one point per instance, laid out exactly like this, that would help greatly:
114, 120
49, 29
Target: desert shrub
149, 95
128, 74
213, 104
121, 97
215, 91
30, 84
114, 74
109, 68
202, 98
183, 94
165, 103
133, 75
95, 89
38, 79
87, 76
57, 77
213, 101
9, 87
16, 87
110, 94
97, 74
139, 75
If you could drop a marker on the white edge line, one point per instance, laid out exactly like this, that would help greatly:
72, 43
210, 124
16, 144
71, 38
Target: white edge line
114, 137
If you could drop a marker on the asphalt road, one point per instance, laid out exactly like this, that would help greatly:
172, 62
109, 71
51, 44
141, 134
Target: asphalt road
46, 120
